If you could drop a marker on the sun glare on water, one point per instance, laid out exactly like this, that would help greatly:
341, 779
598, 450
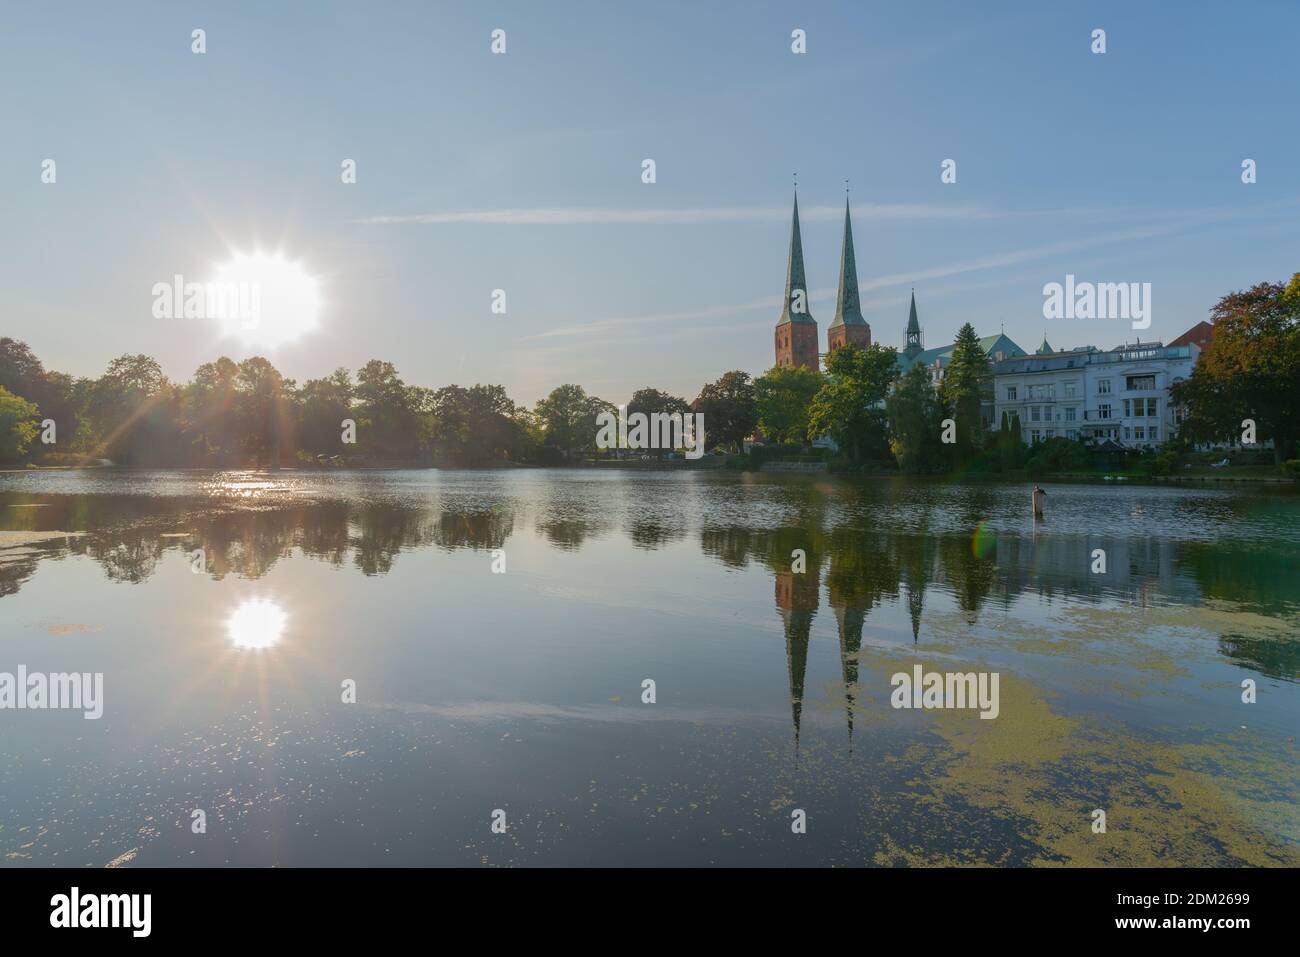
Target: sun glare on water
256, 624
268, 300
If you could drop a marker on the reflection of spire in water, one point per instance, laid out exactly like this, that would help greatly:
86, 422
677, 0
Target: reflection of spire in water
849, 621
797, 598
915, 599
917, 560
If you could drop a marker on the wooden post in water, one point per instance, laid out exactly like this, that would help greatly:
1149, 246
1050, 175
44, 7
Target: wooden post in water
1038, 497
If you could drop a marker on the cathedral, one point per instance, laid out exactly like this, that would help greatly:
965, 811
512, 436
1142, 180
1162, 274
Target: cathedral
796, 330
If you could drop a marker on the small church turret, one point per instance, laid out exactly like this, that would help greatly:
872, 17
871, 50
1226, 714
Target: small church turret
914, 346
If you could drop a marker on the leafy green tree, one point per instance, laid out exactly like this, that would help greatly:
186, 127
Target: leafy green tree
262, 404
477, 426
916, 423
1251, 370
967, 382
18, 425
650, 402
1011, 447
1058, 454
56, 395
388, 426
568, 418
20, 370
323, 404
135, 413
848, 405
783, 399
209, 414
730, 410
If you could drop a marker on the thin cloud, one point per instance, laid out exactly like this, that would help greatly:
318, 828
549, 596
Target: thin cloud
1182, 223
607, 216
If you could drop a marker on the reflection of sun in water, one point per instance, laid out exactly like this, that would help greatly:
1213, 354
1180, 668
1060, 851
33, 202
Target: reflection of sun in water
288, 300
257, 623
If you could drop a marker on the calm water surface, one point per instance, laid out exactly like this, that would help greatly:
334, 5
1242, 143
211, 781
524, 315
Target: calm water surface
523, 691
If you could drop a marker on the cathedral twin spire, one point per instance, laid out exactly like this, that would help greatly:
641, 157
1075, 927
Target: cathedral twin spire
848, 308
796, 330
796, 286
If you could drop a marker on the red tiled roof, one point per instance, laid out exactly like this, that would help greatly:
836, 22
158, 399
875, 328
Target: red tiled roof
1202, 334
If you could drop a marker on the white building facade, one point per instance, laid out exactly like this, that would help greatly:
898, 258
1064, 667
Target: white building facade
1121, 395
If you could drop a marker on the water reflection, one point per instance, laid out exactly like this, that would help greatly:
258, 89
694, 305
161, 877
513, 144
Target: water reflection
771, 611
859, 560
256, 624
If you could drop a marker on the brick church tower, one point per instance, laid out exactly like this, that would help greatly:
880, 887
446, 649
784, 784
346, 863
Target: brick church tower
796, 330
848, 327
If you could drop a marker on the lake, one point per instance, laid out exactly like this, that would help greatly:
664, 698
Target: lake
497, 628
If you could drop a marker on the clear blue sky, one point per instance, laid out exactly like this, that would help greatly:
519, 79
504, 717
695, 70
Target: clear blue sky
1118, 167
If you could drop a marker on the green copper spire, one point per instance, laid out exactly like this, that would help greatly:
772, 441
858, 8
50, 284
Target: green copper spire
1045, 348
848, 310
794, 276
913, 331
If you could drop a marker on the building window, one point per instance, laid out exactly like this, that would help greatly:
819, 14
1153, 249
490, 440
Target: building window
1034, 414
1011, 393
1139, 433
1152, 407
1103, 411
1154, 433
1141, 383
1069, 414
1034, 436
1127, 410
1072, 434
1103, 387
1069, 390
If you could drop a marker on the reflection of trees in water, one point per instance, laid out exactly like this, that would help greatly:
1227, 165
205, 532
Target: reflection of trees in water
730, 545
476, 530
131, 556
1277, 657
1266, 579
18, 565
658, 513
970, 577
381, 531
568, 523
865, 567
243, 544
128, 536
650, 534
323, 532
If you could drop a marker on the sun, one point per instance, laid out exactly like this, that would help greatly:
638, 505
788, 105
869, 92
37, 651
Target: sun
256, 624
265, 300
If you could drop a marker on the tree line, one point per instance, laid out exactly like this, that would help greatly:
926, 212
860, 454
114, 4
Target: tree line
247, 414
